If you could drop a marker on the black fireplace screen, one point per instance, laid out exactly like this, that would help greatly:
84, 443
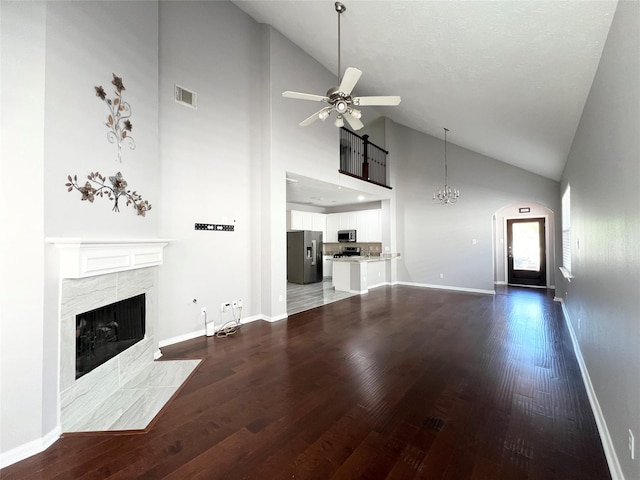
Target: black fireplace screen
103, 333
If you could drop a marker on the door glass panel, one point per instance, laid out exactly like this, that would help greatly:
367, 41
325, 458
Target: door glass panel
526, 246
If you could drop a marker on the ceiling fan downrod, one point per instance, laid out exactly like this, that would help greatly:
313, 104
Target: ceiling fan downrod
340, 8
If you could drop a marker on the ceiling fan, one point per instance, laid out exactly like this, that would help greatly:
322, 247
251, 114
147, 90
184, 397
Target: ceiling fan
340, 99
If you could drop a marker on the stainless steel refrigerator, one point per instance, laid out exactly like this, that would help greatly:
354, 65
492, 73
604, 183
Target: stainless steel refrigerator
304, 256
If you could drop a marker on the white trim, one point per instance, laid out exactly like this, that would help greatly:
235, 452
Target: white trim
29, 449
276, 318
447, 287
540, 287
605, 437
565, 273
198, 333
80, 258
547, 244
180, 338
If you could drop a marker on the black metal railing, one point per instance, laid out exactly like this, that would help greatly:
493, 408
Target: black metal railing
362, 159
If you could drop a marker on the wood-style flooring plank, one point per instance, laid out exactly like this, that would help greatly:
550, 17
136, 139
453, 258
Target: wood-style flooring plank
401, 383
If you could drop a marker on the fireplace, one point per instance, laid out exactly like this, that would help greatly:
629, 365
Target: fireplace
97, 274
104, 332
126, 391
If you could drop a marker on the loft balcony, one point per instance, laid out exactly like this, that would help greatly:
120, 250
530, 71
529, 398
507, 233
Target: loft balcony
362, 159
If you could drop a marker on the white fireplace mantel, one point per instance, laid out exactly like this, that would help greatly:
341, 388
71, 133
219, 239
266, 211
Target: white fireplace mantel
82, 257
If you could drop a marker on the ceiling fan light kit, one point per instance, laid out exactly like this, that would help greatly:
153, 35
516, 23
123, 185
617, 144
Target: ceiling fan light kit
340, 99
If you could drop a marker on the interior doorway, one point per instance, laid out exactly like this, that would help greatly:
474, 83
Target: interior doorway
526, 252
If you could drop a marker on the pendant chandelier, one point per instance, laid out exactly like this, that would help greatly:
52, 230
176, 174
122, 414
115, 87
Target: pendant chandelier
446, 195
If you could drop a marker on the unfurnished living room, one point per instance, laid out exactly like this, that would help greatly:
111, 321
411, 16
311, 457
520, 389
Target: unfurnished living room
319, 239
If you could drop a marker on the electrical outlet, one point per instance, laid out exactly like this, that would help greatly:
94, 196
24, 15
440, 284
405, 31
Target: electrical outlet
203, 310
224, 307
442, 275
632, 445
579, 323
239, 303
235, 304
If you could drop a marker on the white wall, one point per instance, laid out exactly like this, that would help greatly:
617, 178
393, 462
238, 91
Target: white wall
209, 161
603, 170
86, 43
53, 54
22, 413
435, 239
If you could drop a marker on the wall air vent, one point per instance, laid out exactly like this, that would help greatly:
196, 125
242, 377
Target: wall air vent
186, 97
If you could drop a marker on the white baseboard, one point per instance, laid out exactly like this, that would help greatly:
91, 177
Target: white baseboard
30, 448
605, 437
448, 287
198, 333
180, 338
276, 318
500, 282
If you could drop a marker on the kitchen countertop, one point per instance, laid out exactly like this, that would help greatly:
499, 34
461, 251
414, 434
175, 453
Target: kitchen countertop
361, 259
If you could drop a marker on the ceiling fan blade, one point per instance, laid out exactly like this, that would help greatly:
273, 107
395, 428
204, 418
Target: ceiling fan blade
355, 123
308, 121
390, 100
349, 80
305, 96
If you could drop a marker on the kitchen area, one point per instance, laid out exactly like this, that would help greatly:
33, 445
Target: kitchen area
343, 254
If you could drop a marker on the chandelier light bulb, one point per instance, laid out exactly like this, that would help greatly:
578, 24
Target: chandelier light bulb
339, 121
356, 113
323, 115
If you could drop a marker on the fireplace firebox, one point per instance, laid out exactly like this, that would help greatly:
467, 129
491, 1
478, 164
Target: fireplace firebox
103, 333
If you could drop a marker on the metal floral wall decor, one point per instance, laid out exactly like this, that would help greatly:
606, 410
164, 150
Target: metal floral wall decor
118, 121
120, 127
114, 192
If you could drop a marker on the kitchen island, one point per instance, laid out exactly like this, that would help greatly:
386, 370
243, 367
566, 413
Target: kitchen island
357, 274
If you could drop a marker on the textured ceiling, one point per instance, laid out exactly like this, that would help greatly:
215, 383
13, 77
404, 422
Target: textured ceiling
309, 191
508, 78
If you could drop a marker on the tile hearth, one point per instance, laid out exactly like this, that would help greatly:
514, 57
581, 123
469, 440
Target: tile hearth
135, 404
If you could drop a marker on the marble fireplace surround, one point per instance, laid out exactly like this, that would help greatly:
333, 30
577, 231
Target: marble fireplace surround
129, 390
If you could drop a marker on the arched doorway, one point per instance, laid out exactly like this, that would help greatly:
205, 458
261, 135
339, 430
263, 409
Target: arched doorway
532, 223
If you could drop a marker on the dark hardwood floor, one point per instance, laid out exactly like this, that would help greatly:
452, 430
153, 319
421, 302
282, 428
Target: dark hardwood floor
400, 383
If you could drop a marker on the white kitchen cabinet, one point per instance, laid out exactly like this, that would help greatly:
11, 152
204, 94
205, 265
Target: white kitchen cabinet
367, 223
347, 221
332, 228
296, 220
319, 224
327, 265
368, 226
301, 220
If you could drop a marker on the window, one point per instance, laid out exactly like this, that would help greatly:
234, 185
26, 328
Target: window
566, 233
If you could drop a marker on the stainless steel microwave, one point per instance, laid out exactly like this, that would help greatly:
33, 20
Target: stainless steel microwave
346, 236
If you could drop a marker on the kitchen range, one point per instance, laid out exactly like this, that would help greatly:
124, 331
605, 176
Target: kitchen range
349, 252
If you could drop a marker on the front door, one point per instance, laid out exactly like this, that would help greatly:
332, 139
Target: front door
526, 248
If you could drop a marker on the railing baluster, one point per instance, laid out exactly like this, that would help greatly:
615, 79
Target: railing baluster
362, 159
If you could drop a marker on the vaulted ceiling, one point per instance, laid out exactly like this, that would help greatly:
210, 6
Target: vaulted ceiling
508, 78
